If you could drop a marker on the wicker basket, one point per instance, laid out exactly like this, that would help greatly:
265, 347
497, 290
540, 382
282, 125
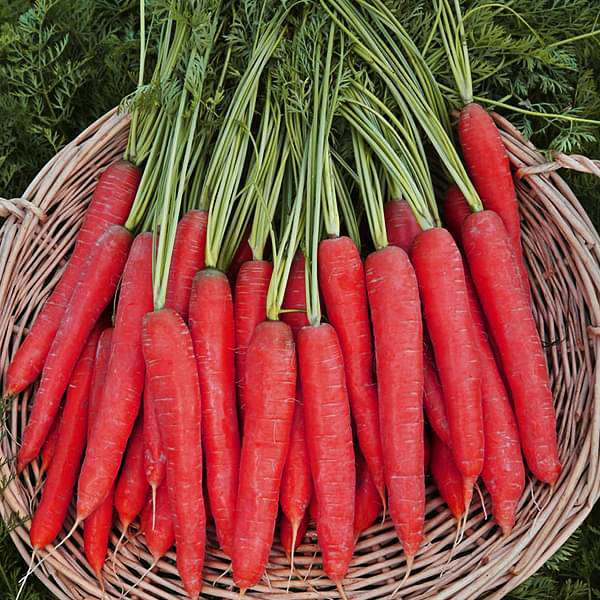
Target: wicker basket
563, 251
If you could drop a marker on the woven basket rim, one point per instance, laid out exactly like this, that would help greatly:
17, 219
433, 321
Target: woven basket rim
555, 225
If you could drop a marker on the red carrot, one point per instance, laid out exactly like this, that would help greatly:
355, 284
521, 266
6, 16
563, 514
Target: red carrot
96, 532
447, 477
294, 299
439, 268
507, 308
160, 536
368, 505
271, 385
296, 482
456, 210
110, 205
131, 490
58, 489
97, 527
123, 384
90, 297
154, 455
342, 283
211, 327
398, 331
489, 167
427, 446
171, 365
187, 260
242, 255
250, 309
400, 224
433, 399
288, 537
49, 447
330, 447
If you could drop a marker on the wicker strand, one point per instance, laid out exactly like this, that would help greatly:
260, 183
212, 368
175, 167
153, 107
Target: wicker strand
19, 207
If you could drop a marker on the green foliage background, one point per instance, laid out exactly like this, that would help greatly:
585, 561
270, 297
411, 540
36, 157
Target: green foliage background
63, 63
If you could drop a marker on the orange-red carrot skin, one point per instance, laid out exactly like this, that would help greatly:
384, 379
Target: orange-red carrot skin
286, 533
49, 447
503, 470
211, 326
96, 532
171, 366
508, 312
90, 297
295, 296
100, 368
368, 504
97, 527
342, 283
489, 168
242, 255
161, 537
58, 489
154, 454
440, 273
187, 260
271, 386
398, 331
330, 448
433, 398
400, 224
250, 309
456, 210
132, 489
447, 477
110, 205
296, 482
124, 382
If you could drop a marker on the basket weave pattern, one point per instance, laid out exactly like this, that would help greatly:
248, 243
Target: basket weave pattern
563, 252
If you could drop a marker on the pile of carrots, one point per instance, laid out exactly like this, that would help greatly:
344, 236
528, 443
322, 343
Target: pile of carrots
270, 323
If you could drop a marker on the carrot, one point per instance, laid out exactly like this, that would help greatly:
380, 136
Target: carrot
250, 309
97, 527
131, 490
488, 165
49, 447
503, 471
242, 255
160, 536
400, 224
294, 299
211, 327
433, 399
96, 532
171, 365
123, 385
440, 273
427, 447
330, 447
507, 308
368, 504
90, 297
187, 260
398, 331
154, 455
62, 474
447, 477
110, 205
296, 481
271, 383
313, 509
290, 537
342, 283
456, 210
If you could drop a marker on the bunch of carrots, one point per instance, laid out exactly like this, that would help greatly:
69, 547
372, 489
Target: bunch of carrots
271, 316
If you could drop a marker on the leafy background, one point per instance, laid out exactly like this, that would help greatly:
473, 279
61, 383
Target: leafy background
63, 63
